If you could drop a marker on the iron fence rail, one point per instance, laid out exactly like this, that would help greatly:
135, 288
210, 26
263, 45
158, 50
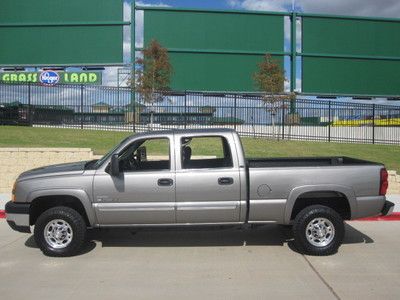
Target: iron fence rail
113, 108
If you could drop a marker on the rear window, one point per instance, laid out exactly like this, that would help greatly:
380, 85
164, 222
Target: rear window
205, 153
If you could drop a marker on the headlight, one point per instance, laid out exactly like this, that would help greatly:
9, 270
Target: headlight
13, 191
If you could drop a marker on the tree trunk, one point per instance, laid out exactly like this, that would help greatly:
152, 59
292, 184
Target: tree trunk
273, 126
152, 101
151, 117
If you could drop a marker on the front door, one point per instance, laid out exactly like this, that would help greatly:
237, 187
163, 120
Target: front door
144, 193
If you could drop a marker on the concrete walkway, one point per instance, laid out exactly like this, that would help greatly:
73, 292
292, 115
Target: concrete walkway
3, 199
119, 264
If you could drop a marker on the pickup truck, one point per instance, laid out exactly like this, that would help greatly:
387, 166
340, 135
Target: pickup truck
183, 178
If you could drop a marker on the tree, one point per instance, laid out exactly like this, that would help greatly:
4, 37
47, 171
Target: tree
153, 75
270, 80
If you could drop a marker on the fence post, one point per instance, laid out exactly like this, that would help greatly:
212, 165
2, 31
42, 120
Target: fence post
185, 112
373, 123
134, 107
283, 119
29, 105
329, 121
234, 112
81, 106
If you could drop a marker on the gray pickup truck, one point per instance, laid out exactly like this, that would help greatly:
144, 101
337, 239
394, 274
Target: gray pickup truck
191, 178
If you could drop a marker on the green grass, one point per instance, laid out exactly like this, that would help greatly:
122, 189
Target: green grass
102, 141
99, 141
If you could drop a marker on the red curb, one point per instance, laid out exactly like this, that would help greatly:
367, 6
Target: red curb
393, 217
2, 214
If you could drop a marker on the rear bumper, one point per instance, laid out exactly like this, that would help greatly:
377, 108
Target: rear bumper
368, 206
17, 215
388, 208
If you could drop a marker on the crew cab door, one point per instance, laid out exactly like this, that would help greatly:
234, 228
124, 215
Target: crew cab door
144, 192
207, 180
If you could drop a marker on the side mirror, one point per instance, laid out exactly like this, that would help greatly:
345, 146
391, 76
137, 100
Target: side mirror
114, 165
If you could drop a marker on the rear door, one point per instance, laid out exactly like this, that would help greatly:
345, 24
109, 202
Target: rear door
207, 180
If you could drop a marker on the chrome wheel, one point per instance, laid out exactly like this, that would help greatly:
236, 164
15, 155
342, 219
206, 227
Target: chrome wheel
58, 234
320, 232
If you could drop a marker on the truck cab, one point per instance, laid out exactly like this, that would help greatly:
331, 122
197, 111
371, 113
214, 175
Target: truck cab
165, 178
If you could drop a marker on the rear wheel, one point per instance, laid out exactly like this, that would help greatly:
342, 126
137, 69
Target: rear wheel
60, 231
318, 230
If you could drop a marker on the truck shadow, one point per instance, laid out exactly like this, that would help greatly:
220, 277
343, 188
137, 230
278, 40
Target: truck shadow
267, 235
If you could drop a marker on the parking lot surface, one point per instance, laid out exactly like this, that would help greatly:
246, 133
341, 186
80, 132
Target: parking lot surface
219, 264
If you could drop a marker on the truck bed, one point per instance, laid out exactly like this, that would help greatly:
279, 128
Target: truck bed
306, 162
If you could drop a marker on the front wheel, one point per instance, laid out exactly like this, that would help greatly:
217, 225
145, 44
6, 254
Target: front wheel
318, 230
60, 231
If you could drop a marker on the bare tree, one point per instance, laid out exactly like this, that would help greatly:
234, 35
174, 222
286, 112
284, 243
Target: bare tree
270, 80
153, 75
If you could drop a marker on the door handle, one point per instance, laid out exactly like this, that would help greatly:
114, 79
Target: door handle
165, 182
225, 180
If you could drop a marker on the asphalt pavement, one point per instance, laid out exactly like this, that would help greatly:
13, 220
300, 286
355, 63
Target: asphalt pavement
218, 264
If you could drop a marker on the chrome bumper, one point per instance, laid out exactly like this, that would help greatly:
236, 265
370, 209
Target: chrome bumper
17, 216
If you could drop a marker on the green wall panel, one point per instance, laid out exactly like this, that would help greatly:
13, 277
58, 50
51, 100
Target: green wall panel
58, 11
44, 46
214, 72
55, 32
351, 36
232, 33
351, 76
211, 30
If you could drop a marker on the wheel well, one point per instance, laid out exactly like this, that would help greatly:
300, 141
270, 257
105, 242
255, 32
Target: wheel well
335, 200
41, 204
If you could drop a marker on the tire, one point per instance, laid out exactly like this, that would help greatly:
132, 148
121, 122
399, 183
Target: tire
318, 230
60, 231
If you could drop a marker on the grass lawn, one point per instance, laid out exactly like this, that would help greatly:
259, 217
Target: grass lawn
102, 141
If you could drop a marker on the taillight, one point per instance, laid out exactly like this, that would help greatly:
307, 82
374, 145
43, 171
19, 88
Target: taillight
384, 182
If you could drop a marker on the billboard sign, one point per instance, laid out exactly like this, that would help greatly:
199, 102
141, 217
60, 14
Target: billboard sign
61, 33
215, 50
50, 77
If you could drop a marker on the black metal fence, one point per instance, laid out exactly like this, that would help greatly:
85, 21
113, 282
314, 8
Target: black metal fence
118, 109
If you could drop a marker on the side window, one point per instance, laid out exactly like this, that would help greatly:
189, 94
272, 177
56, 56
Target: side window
205, 153
146, 155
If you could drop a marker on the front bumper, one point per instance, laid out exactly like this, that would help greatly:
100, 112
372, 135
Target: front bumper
388, 208
17, 215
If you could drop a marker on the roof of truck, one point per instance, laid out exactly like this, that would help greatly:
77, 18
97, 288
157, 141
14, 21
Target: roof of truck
180, 131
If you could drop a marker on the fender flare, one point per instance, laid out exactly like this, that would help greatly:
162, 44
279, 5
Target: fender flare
298, 191
80, 194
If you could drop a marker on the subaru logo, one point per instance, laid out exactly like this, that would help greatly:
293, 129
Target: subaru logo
49, 77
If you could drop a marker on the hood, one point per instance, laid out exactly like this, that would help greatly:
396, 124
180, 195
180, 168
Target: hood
55, 170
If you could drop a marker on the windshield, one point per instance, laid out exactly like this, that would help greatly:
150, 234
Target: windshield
107, 156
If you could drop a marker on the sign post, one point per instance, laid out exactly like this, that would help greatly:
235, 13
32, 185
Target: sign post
133, 62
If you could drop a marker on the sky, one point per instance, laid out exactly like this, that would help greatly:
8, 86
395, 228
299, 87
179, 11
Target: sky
372, 8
